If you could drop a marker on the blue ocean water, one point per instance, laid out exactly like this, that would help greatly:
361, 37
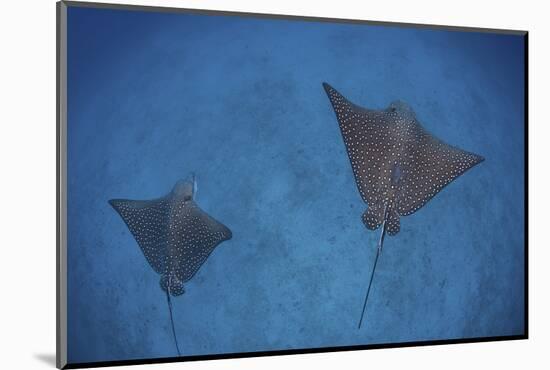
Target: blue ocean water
153, 97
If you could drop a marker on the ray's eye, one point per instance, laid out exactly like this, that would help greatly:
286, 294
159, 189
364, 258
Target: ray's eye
392, 109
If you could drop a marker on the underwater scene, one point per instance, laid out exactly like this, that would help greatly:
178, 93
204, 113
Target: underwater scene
241, 184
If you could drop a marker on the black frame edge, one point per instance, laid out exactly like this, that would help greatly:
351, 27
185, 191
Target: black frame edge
290, 352
526, 190
57, 216
61, 294
165, 9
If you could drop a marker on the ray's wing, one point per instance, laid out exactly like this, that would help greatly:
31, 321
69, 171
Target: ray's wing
147, 221
432, 164
196, 234
369, 146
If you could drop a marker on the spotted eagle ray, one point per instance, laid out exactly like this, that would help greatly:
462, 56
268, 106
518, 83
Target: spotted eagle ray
397, 164
175, 235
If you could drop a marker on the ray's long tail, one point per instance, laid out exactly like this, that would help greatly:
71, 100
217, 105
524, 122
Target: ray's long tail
172, 320
378, 251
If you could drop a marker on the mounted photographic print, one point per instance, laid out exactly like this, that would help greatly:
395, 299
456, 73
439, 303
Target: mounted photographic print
234, 185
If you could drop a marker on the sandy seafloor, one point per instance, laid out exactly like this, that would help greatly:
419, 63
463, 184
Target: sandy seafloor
153, 97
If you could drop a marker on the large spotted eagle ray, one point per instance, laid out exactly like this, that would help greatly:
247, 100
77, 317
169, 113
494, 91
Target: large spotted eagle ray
397, 164
174, 234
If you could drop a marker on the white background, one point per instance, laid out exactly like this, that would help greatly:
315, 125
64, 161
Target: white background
27, 180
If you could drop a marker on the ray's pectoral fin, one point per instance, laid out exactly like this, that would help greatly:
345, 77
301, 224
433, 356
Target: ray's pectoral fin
147, 221
373, 217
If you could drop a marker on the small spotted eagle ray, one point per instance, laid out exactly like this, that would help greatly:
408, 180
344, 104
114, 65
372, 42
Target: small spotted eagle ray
174, 234
397, 164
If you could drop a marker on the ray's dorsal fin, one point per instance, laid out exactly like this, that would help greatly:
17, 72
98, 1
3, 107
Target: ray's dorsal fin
147, 220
